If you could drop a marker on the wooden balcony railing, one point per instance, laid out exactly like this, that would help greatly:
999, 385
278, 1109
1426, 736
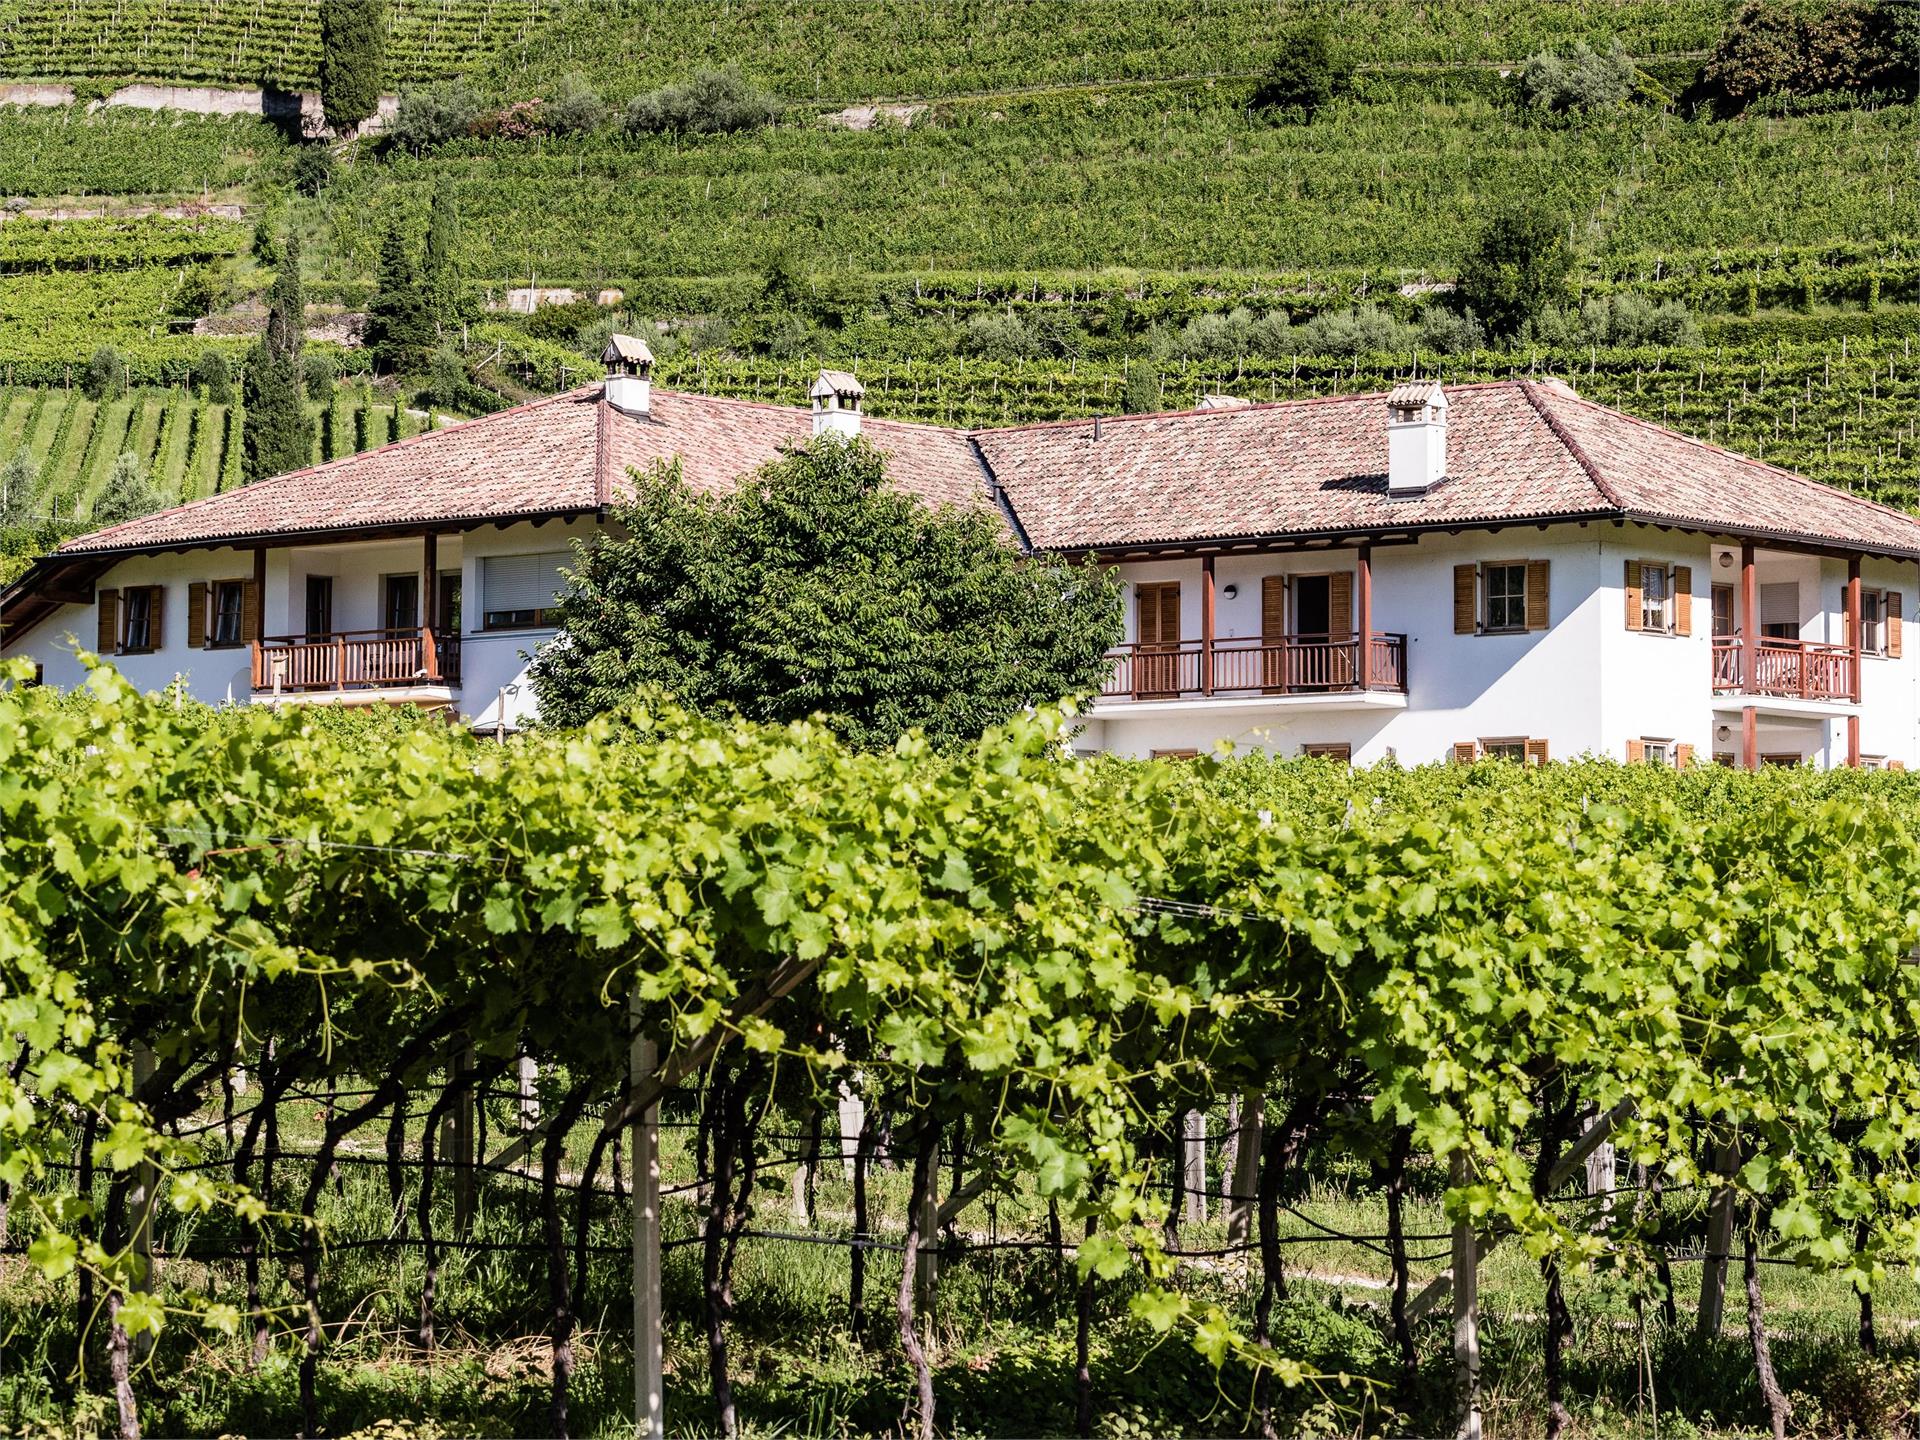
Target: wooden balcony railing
1291, 665
1793, 669
355, 660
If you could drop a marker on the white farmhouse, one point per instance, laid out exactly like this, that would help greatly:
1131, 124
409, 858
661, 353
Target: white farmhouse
1439, 573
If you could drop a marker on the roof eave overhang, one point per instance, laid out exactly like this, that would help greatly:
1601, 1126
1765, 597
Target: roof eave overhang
1280, 541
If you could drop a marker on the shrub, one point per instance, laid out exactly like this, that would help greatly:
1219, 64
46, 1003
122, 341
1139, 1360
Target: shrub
17, 478
1142, 394
1449, 332
319, 373
312, 169
713, 102
1369, 330
1306, 77
576, 108
106, 377
435, 115
266, 245
202, 290
127, 495
1517, 269
521, 120
1578, 78
560, 323
1782, 48
212, 376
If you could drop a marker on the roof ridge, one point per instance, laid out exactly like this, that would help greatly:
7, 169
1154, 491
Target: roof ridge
1250, 408
958, 432
1574, 448
1780, 470
305, 470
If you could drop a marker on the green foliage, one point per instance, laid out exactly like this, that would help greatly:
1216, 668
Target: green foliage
106, 377
399, 325
435, 114
1518, 268
312, 168
1578, 78
1306, 76
714, 102
815, 588
1142, 392
319, 374
278, 436
352, 56
203, 290
212, 376
127, 495
448, 298
17, 480
574, 108
1791, 48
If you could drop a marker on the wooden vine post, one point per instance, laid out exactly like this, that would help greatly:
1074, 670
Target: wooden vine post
649, 1410
926, 1259
1713, 1270
140, 1203
1246, 1167
1466, 1312
458, 1142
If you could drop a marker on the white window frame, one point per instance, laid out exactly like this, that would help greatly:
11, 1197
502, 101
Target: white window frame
1654, 751
1656, 612
1873, 632
1515, 601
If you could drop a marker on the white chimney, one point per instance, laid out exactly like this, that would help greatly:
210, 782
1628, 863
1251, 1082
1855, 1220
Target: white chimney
629, 365
836, 403
1416, 438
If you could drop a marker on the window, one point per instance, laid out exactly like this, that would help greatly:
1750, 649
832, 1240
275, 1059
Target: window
1505, 749
1657, 752
518, 590
1655, 597
1723, 612
1873, 630
1506, 592
1780, 611
226, 601
140, 619
1500, 597
1660, 598
319, 606
1342, 752
400, 602
1521, 749
1173, 754
1873, 762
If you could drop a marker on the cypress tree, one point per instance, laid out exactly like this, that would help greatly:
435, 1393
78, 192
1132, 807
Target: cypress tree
278, 435
444, 282
399, 326
352, 42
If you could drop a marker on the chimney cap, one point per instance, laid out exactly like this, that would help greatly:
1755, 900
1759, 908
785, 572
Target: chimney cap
626, 350
1417, 395
836, 382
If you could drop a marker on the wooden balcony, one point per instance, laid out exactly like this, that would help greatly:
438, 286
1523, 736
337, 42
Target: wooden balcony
1241, 668
1784, 669
351, 660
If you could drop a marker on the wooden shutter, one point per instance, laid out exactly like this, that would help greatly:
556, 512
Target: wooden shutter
1683, 599
197, 615
1896, 764
1465, 751
157, 618
108, 639
1636, 751
1464, 610
1683, 757
1160, 614
1340, 606
1891, 622
1633, 595
1536, 749
1537, 595
249, 612
1273, 608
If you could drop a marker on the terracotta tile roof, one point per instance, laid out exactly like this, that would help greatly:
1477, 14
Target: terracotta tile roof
569, 452
1292, 467
1516, 450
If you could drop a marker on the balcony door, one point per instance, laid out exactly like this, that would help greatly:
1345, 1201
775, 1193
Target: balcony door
319, 607
1321, 644
1157, 660
400, 603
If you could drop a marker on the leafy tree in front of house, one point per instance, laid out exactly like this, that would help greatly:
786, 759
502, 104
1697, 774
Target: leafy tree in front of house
352, 55
1517, 269
1306, 77
127, 495
278, 435
399, 323
817, 588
